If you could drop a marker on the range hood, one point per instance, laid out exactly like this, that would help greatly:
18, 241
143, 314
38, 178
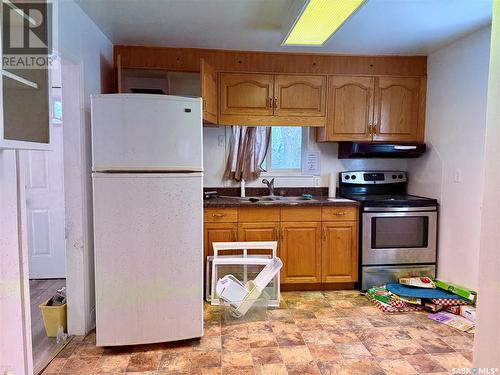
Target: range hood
354, 150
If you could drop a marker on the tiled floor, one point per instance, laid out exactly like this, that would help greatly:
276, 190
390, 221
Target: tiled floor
313, 333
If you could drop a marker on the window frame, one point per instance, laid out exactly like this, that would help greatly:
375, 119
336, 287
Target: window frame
288, 171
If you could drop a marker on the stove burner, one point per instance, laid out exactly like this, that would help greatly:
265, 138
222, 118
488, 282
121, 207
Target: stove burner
381, 200
389, 190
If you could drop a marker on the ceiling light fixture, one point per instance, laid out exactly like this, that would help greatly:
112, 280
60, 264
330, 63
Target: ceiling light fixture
318, 20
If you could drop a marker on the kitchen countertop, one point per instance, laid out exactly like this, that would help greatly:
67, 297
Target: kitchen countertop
316, 201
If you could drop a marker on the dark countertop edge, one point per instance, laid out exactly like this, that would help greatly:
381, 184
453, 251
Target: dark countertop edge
322, 201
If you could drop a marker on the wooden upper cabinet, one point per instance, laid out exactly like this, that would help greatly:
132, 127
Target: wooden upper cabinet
339, 252
246, 94
300, 251
364, 109
208, 80
299, 95
272, 100
399, 109
350, 109
118, 74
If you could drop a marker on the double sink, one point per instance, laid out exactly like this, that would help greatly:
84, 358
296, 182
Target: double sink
273, 199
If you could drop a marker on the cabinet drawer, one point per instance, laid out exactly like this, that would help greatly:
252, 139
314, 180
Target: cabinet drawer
301, 214
257, 214
221, 215
340, 213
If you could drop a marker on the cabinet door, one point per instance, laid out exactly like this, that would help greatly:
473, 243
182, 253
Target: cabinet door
350, 109
208, 78
118, 72
300, 251
265, 231
398, 109
218, 232
258, 232
339, 252
246, 94
297, 95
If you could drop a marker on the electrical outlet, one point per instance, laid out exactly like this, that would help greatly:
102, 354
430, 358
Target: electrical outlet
457, 176
221, 141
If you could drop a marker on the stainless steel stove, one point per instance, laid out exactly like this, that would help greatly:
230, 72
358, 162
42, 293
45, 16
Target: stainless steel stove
398, 232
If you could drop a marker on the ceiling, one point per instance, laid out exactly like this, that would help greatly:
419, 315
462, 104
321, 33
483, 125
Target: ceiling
379, 27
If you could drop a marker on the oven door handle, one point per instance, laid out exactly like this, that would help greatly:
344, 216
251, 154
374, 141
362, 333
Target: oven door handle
380, 270
399, 209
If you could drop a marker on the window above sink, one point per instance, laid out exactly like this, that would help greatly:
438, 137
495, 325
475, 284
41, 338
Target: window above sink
286, 150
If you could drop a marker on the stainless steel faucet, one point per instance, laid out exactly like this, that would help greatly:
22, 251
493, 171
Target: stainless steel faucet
270, 186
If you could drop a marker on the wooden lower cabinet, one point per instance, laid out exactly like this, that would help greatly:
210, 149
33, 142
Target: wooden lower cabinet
318, 246
300, 251
219, 232
258, 232
248, 232
339, 252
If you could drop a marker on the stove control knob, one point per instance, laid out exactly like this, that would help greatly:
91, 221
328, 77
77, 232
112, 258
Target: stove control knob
353, 177
346, 177
400, 176
394, 176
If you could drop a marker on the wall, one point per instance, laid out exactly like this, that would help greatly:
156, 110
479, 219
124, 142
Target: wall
215, 157
487, 339
451, 170
81, 43
86, 55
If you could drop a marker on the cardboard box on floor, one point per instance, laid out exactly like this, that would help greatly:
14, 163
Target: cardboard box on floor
456, 289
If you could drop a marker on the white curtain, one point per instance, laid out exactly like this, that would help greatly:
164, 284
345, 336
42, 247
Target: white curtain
247, 152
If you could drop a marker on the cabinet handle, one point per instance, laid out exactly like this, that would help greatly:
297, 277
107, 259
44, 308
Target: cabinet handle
324, 233
374, 129
370, 127
270, 102
342, 213
218, 215
235, 235
276, 102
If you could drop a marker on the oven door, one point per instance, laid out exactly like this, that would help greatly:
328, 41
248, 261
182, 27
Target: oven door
398, 235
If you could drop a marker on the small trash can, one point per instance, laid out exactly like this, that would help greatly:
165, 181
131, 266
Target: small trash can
53, 318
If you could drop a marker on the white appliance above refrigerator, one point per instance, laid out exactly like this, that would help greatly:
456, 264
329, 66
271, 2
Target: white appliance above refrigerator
148, 218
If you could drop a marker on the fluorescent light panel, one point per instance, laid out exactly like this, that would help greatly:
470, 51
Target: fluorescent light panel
319, 20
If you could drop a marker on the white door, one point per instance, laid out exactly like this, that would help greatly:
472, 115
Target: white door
45, 208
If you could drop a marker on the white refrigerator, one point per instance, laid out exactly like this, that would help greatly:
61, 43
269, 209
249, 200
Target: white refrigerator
148, 212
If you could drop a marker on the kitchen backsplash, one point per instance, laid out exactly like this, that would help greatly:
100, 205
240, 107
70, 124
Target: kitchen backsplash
215, 157
257, 192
